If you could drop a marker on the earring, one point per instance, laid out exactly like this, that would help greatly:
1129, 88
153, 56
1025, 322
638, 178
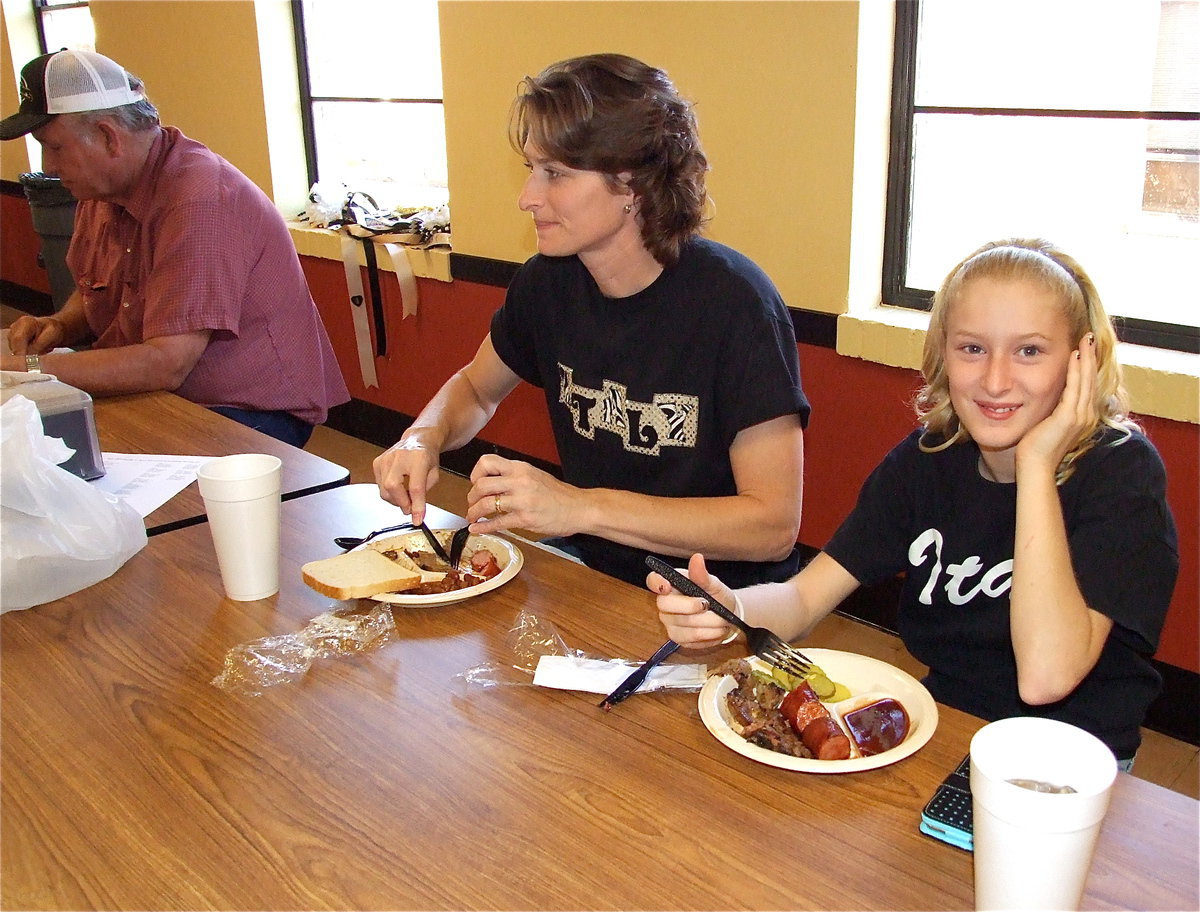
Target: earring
628, 208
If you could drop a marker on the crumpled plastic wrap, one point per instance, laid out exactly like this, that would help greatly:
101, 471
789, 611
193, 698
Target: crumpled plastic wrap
251, 668
325, 201
532, 637
529, 638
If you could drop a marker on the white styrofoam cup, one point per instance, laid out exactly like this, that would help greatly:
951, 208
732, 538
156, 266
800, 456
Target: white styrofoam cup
241, 498
1033, 849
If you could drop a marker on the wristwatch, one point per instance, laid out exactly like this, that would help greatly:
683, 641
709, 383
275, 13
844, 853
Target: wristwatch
33, 364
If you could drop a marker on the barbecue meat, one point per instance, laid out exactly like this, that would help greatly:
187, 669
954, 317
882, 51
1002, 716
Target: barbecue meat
754, 706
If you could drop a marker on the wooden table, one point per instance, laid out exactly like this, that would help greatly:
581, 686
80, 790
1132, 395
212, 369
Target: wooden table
384, 781
165, 424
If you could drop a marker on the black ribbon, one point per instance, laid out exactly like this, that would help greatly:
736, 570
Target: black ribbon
376, 299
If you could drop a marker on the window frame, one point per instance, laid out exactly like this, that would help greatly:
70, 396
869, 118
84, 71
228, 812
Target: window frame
308, 99
41, 7
904, 109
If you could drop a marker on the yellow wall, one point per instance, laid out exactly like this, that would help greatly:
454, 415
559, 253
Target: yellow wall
200, 63
773, 82
14, 156
774, 89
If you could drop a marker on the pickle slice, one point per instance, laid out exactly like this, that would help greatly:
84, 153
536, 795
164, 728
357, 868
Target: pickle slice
840, 692
787, 681
821, 685
827, 690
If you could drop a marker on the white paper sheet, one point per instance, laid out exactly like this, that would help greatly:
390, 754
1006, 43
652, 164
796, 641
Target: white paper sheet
602, 677
147, 482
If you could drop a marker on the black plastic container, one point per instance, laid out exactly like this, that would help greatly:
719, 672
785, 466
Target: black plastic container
53, 210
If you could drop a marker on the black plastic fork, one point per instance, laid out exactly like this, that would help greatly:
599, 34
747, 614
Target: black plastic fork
457, 543
763, 643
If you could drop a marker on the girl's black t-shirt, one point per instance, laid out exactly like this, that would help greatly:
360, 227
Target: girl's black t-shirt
934, 518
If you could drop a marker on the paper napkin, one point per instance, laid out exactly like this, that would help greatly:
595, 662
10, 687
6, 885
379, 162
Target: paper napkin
602, 676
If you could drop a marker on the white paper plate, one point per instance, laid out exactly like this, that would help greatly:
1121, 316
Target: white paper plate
507, 555
861, 674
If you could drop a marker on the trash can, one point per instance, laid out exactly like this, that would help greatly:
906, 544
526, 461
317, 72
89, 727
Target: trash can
53, 209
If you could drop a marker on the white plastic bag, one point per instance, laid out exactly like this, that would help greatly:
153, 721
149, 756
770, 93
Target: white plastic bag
58, 534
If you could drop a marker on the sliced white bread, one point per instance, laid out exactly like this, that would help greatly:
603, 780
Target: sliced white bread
358, 574
396, 546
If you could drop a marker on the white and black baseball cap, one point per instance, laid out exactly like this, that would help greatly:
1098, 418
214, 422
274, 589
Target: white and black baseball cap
67, 82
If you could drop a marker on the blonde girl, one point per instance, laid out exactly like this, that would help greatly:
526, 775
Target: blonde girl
1027, 513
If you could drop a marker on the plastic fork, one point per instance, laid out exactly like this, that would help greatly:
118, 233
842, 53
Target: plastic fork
763, 643
457, 543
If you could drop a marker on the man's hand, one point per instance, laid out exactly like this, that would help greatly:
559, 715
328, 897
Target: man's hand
35, 335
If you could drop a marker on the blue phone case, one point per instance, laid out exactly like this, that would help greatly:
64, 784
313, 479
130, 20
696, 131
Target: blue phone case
958, 838
947, 816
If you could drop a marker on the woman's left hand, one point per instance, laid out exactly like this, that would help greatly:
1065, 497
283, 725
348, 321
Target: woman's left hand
508, 494
1052, 438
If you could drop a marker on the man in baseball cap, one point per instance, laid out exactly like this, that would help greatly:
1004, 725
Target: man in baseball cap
67, 82
186, 277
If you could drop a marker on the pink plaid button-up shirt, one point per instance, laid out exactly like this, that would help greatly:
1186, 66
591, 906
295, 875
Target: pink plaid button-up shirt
199, 246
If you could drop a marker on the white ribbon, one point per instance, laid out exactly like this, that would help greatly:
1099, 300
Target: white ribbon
406, 278
358, 310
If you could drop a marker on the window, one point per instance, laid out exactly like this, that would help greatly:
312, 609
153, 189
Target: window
371, 90
63, 24
1070, 120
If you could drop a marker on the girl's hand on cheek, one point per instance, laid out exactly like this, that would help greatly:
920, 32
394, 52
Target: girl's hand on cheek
1053, 437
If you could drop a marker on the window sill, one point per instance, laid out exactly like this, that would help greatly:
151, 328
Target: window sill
1162, 383
327, 244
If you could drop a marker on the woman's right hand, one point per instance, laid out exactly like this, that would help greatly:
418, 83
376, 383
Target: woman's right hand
405, 473
688, 620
